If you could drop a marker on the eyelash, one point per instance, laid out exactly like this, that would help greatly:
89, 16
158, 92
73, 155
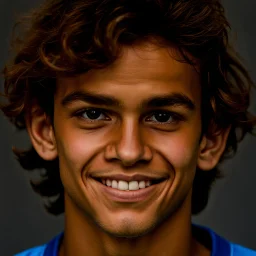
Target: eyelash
80, 114
175, 116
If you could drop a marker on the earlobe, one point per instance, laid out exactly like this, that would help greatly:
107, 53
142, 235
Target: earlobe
41, 134
211, 150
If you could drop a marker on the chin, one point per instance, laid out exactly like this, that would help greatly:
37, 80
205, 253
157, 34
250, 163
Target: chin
127, 232
128, 227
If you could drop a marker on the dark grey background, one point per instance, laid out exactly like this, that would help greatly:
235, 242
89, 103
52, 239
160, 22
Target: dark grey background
232, 207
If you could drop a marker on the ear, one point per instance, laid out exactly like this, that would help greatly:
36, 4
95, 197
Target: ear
41, 134
211, 150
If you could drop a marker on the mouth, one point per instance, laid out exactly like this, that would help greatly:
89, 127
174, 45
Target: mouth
130, 188
129, 185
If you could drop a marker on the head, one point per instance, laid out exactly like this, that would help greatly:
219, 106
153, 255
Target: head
147, 87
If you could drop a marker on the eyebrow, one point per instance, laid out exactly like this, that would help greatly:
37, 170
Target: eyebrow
91, 98
173, 99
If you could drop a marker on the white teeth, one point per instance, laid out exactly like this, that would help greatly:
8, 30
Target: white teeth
123, 185
114, 184
133, 185
108, 182
142, 184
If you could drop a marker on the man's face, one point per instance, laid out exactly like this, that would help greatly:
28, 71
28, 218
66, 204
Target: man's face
135, 126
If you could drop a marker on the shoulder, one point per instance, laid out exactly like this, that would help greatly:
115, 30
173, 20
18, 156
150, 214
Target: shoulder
35, 251
238, 250
50, 248
223, 247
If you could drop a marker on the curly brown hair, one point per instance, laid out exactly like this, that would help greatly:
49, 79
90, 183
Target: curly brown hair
71, 37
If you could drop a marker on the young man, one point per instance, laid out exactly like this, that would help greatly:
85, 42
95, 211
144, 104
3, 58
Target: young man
130, 107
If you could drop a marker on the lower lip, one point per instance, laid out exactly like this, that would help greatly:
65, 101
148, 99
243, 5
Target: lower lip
128, 196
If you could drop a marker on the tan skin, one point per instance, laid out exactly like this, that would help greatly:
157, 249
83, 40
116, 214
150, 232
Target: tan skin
130, 134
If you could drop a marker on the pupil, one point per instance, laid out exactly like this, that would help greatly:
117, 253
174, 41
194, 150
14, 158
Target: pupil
93, 114
162, 117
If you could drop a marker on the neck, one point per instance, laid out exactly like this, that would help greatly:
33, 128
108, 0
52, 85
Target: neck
172, 237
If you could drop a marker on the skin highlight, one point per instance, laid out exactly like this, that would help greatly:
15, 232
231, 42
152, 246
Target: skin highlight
129, 140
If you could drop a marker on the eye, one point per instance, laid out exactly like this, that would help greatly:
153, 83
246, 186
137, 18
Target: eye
92, 114
164, 117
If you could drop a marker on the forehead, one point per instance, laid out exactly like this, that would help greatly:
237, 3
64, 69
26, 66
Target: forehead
146, 69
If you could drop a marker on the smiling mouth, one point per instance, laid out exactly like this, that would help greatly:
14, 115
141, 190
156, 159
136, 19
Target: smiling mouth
129, 185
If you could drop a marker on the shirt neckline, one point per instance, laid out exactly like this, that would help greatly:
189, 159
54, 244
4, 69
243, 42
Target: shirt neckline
220, 246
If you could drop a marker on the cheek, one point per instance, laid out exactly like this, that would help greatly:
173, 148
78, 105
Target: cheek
182, 152
180, 149
76, 147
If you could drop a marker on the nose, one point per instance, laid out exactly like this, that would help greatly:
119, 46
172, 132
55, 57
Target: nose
129, 146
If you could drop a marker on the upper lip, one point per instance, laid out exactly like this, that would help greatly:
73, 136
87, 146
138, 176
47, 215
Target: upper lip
137, 177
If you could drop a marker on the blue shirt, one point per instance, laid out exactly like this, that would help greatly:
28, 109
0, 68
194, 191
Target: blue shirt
220, 247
